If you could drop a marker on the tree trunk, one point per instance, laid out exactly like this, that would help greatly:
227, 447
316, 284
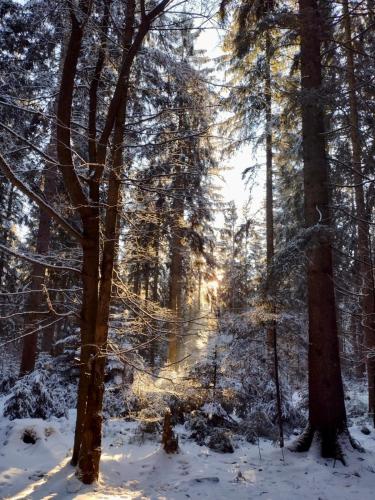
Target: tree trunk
5, 231
90, 281
95, 309
327, 414
175, 277
271, 331
35, 301
272, 328
90, 452
364, 255
156, 272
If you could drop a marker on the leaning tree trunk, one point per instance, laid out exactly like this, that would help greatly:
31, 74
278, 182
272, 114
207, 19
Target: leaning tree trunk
327, 416
363, 229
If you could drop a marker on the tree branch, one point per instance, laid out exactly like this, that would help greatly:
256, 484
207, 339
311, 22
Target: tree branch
11, 176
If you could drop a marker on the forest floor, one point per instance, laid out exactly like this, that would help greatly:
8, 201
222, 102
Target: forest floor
141, 470
134, 466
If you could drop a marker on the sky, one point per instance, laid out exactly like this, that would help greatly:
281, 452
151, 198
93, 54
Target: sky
233, 187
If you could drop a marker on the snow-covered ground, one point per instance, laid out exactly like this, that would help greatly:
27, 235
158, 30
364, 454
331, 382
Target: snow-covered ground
143, 471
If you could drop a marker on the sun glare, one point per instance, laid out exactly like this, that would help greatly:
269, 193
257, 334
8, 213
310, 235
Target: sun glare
213, 285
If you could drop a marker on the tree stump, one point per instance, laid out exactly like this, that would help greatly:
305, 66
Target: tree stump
169, 439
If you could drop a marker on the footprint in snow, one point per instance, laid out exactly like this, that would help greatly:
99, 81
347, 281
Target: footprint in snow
37, 475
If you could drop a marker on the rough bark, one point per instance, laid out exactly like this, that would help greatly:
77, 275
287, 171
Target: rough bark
327, 414
90, 452
169, 439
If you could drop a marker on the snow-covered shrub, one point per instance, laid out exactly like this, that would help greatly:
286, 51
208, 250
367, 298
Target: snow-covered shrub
149, 426
7, 380
40, 394
149, 421
220, 441
119, 401
239, 379
212, 426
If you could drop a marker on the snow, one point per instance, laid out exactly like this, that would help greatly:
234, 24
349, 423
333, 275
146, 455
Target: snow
130, 470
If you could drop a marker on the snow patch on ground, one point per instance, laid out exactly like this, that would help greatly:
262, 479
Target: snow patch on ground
132, 471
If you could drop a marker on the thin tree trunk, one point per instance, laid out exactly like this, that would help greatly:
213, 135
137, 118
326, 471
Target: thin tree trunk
5, 236
156, 272
271, 332
146, 278
175, 278
6, 229
35, 298
272, 329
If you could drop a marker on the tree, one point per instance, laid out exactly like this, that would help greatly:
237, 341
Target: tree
364, 249
327, 416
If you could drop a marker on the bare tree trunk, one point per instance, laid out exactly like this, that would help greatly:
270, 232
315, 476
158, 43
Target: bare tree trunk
272, 329
327, 414
5, 235
156, 272
6, 228
271, 332
199, 286
364, 254
175, 277
35, 300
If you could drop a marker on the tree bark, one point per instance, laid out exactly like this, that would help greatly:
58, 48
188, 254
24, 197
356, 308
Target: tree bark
90, 452
327, 414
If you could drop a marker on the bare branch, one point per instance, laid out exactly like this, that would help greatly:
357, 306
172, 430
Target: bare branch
11, 176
